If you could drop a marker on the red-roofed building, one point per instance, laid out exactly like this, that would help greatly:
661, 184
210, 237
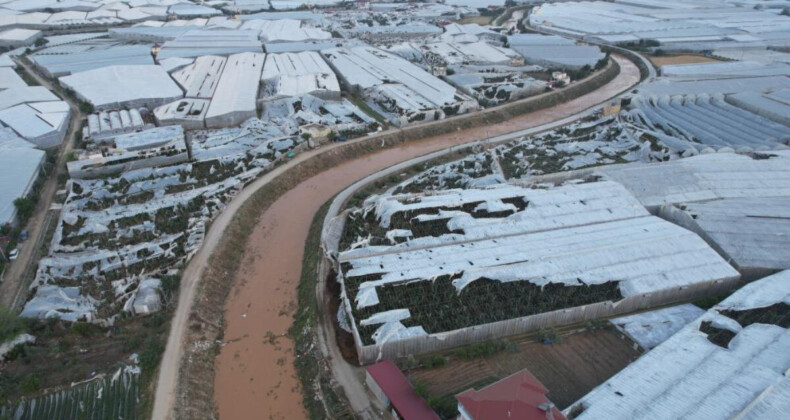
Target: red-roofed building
518, 397
389, 385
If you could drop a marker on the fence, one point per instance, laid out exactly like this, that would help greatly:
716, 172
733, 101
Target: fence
480, 333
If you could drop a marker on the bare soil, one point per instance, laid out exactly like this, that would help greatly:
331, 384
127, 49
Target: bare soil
569, 370
663, 60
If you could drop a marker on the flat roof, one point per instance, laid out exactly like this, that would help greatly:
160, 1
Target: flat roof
18, 34
115, 85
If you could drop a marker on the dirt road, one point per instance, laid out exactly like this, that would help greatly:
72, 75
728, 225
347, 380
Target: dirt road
14, 285
255, 374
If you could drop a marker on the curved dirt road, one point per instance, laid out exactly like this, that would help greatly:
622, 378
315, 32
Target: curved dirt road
255, 376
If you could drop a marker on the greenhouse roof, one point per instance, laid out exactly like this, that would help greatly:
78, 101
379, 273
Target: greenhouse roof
119, 84
691, 376
18, 169
705, 177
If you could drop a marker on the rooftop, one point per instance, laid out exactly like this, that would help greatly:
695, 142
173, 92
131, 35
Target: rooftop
399, 391
730, 362
519, 396
114, 86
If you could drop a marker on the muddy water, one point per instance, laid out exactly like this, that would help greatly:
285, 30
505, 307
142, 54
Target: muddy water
255, 377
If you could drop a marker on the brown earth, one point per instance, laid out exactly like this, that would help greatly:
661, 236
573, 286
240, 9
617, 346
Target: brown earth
664, 60
569, 370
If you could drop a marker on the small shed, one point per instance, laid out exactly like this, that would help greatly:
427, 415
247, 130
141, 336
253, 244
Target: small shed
392, 388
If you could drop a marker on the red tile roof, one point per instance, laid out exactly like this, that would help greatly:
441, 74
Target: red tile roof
398, 389
518, 397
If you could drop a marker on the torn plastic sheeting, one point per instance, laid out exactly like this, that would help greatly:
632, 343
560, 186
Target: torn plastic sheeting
396, 331
394, 315
493, 206
366, 296
392, 235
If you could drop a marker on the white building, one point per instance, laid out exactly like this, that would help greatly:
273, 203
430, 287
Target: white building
211, 41
42, 123
396, 88
200, 79
237, 91
15, 38
297, 74
20, 163
124, 86
189, 113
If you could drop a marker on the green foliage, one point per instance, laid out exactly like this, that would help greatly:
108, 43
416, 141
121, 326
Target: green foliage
149, 357
409, 362
170, 285
99, 399
438, 307
485, 349
446, 407
24, 207
86, 108
11, 324
710, 301
30, 384
19, 352
84, 329
432, 362
421, 389
549, 335
41, 42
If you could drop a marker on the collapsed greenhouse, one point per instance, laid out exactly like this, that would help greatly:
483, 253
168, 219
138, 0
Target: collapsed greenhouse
731, 362
491, 262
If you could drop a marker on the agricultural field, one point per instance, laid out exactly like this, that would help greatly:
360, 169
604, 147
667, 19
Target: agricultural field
577, 146
585, 144
665, 60
114, 233
107, 397
569, 368
478, 256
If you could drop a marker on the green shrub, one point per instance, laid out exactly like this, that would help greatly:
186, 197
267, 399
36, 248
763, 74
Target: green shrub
83, 328
149, 357
31, 384
485, 349
432, 362
11, 324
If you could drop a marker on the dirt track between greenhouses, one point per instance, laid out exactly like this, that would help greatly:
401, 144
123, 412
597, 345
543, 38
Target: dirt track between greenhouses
255, 375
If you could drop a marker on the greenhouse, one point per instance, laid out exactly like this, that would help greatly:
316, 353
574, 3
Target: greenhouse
489, 262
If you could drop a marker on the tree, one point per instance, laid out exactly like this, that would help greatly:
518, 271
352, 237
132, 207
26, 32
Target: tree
306, 136
41, 42
24, 207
